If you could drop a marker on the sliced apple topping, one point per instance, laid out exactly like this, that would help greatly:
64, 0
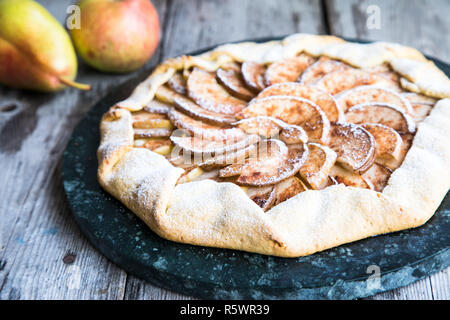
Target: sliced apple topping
383, 113
389, 141
145, 120
204, 89
395, 163
354, 145
273, 163
377, 176
191, 108
202, 130
287, 189
349, 178
287, 70
253, 74
155, 106
322, 99
234, 83
316, 169
366, 94
178, 83
197, 145
292, 110
320, 68
263, 196
339, 81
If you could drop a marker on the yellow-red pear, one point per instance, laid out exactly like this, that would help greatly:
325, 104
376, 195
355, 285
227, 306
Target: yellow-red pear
35, 50
116, 35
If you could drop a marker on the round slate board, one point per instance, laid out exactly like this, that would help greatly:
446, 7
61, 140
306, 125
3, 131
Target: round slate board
346, 272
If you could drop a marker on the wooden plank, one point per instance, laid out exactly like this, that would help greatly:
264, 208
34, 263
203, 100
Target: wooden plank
42, 253
194, 24
422, 24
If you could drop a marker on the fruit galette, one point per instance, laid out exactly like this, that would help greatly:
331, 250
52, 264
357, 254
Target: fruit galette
283, 148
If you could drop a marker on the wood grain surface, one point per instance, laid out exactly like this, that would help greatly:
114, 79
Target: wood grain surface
43, 255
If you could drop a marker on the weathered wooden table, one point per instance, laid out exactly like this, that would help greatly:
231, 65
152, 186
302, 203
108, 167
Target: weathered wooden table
43, 255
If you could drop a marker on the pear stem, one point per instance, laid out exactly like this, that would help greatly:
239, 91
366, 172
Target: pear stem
74, 84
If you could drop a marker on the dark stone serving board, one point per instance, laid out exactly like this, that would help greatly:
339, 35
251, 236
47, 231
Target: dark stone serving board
345, 272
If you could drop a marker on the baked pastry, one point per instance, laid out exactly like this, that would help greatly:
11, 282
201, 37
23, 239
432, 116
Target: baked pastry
282, 148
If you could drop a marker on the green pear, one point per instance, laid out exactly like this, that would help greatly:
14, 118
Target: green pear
35, 50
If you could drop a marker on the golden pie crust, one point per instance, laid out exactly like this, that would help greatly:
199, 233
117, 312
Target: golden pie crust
220, 214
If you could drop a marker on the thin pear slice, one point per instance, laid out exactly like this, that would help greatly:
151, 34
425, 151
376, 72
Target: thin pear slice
342, 80
234, 83
416, 98
355, 146
264, 196
322, 99
377, 176
228, 158
155, 106
292, 110
156, 143
191, 108
292, 134
367, 94
198, 174
196, 145
145, 120
395, 163
270, 167
178, 83
265, 126
235, 66
166, 94
287, 70
190, 175
202, 130
421, 111
152, 133
385, 71
204, 89
389, 142
268, 150
269, 127
253, 74
349, 178
316, 169
382, 113
320, 68
331, 182
287, 189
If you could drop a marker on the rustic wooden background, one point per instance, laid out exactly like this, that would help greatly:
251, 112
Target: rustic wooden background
42, 252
